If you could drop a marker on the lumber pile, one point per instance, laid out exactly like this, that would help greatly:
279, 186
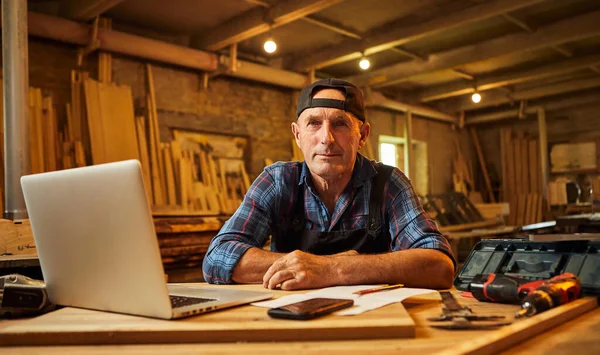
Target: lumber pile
194, 173
521, 177
188, 175
183, 243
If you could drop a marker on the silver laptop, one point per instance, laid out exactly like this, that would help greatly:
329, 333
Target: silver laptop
98, 249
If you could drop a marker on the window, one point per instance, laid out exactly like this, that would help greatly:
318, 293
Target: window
392, 152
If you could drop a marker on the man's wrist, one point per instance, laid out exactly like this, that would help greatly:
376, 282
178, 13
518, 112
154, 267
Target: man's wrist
339, 267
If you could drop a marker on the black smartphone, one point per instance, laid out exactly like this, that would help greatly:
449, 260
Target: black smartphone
310, 308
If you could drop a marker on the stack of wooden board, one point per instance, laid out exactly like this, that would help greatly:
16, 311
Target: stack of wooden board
111, 122
194, 173
521, 177
183, 243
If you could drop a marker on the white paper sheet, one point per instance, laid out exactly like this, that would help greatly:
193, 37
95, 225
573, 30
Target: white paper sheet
362, 303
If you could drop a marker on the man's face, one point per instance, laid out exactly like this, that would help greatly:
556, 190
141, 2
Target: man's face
329, 138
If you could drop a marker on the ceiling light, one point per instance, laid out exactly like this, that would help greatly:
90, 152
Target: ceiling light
364, 64
270, 46
476, 97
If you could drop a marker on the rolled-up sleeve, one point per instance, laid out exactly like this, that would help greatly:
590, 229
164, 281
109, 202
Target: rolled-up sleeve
410, 226
250, 226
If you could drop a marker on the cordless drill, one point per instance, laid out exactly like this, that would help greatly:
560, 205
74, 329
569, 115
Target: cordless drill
534, 296
558, 290
501, 288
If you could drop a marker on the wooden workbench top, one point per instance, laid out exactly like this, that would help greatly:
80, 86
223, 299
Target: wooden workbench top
427, 340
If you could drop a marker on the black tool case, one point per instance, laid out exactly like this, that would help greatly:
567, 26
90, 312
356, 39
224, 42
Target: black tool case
534, 261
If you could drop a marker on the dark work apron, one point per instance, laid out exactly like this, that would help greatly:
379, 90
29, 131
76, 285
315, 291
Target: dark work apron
370, 240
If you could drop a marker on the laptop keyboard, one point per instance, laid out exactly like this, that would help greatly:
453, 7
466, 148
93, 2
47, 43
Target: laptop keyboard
182, 301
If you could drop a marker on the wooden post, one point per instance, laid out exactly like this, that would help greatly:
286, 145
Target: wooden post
233, 64
543, 150
408, 151
311, 76
486, 177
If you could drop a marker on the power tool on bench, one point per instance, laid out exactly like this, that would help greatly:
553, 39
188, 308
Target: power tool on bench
534, 296
21, 296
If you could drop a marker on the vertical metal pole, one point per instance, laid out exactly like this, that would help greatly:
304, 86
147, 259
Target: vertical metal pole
15, 64
543, 149
408, 147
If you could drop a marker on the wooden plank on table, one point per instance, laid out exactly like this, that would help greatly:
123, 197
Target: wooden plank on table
524, 329
85, 327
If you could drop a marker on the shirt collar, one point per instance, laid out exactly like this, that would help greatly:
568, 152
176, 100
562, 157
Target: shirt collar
363, 171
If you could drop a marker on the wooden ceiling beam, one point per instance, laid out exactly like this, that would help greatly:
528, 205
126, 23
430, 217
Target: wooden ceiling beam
553, 105
499, 80
332, 27
409, 54
528, 28
386, 38
84, 10
258, 20
490, 99
463, 74
376, 99
570, 29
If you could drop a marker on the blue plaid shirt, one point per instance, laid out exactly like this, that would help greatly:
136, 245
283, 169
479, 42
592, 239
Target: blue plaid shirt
271, 197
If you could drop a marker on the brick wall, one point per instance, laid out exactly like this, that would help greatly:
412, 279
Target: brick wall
50, 65
259, 112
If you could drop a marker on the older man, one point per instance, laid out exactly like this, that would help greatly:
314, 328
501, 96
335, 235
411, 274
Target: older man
335, 219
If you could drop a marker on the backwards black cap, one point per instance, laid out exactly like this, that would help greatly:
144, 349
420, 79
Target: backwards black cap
353, 103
